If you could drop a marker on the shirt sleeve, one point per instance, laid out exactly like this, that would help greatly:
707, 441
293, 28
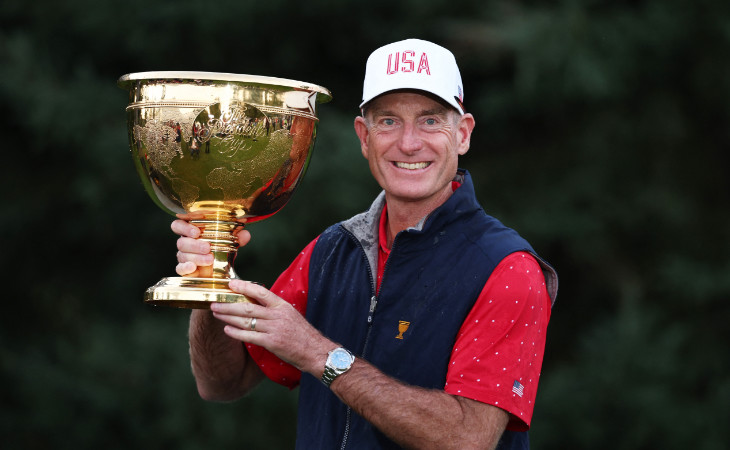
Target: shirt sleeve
293, 286
498, 353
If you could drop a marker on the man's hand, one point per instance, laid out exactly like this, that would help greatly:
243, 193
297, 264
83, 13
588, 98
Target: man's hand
193, 256
279, 327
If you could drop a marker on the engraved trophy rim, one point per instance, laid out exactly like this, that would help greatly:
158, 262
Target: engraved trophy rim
126, 80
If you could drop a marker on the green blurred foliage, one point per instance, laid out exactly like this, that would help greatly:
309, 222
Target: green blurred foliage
602, 136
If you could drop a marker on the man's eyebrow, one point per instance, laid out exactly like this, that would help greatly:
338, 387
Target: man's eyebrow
437, 111
381, 112
440, 111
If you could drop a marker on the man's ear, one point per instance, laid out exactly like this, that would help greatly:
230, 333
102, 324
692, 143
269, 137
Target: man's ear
361, 129
466, 126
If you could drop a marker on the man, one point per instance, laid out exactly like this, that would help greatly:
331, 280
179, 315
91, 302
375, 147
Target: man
419, 323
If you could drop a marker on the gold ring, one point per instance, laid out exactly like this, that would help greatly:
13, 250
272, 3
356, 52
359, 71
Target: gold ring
253, 324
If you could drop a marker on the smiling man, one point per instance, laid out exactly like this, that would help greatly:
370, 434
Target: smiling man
419, 323
412, 143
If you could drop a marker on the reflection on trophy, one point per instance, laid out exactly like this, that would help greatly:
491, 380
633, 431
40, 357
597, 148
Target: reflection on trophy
219, 150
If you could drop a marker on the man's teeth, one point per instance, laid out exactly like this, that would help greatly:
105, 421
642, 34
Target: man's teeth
411, 166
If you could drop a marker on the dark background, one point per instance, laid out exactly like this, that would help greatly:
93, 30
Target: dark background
602, 136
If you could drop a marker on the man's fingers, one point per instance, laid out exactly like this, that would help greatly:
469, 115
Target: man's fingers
196, 258
243, 236
191, 268
190, 245
256, 291
242, 309
183, 228
243, 322
187, 269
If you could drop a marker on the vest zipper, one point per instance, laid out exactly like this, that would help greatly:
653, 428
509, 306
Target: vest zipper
371, 312
373, 304
374, 298
347, 428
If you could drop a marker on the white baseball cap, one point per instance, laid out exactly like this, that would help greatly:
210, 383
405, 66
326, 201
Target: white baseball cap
414, 64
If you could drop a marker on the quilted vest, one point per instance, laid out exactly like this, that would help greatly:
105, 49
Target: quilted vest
432, 278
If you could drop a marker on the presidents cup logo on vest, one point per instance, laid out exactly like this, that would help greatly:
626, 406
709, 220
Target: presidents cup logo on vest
402, 328
406, 62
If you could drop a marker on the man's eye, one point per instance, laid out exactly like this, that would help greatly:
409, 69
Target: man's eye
388, 122
431, 121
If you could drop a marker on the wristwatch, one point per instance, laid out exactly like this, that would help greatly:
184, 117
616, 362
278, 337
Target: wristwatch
338, 362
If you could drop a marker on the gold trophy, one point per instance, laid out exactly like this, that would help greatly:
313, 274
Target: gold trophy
219, 150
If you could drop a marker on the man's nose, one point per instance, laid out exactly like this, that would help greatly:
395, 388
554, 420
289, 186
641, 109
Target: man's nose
410, 140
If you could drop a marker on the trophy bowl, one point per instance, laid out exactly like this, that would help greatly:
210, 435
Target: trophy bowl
219, 150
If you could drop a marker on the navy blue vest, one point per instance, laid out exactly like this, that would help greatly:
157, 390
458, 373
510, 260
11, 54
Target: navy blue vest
432, 278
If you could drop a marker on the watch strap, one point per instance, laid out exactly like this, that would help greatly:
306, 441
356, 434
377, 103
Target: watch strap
329, 376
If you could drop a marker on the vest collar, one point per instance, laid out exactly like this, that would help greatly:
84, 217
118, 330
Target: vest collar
364, 226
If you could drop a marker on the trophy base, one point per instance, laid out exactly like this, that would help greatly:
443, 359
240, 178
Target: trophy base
192, 293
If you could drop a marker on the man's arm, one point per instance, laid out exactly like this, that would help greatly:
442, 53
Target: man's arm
412, 416
419, 418
222, 367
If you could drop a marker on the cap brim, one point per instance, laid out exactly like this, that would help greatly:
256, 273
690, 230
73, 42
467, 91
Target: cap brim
451, 102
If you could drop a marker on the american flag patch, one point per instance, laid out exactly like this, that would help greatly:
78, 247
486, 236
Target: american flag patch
518, 388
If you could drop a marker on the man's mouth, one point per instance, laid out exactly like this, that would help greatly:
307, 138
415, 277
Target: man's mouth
412, 166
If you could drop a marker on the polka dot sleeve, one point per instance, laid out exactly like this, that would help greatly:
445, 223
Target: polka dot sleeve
292, 285
498, 352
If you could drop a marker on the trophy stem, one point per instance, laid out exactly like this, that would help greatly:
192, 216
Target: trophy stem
212, 285
223, 244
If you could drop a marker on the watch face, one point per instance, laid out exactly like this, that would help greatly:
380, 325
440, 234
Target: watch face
340, 359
